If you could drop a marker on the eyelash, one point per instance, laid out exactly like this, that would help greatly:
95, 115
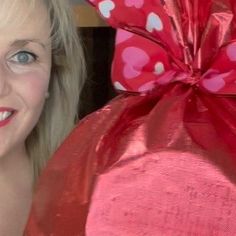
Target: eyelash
32, 55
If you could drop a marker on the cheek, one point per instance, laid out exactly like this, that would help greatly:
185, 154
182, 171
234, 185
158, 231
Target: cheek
32, 87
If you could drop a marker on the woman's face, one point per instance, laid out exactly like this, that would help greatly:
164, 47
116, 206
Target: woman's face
25, 64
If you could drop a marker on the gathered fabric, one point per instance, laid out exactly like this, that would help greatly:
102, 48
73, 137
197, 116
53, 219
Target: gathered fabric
160, 158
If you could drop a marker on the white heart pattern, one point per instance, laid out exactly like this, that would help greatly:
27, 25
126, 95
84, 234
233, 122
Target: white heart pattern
154, 22
159, 68
119, 86
105, 7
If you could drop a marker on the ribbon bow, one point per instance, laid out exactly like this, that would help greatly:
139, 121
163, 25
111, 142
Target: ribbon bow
159, 42
187, 48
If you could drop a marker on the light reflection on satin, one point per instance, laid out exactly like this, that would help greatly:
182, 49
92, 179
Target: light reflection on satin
160, 163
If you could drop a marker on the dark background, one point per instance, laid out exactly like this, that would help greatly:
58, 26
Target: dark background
98, 43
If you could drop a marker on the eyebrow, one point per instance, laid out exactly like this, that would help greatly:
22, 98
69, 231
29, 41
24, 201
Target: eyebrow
23, 42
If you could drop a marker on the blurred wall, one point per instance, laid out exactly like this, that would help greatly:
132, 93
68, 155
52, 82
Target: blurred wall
77, 1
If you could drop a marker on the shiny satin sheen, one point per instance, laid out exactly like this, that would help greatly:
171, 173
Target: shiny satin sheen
160, 162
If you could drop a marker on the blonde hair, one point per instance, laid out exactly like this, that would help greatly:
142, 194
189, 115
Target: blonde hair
68, 69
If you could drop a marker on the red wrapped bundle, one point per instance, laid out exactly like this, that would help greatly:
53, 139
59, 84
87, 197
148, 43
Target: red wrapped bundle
160, 159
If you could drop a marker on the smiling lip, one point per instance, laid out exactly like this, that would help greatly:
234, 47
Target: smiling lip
9, 118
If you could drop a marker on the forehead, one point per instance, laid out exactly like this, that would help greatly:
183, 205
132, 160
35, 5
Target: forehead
23, 18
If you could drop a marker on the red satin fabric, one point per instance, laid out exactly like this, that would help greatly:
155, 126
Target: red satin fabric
160, 161
162, 42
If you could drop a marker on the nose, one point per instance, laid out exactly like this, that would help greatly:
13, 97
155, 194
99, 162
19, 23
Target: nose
4, 82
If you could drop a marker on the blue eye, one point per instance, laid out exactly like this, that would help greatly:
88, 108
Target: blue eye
24, 57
